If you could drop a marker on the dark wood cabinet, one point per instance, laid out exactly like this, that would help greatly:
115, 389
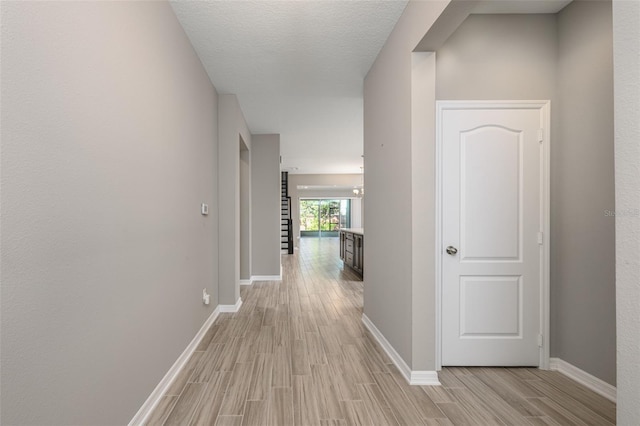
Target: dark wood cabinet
352, 249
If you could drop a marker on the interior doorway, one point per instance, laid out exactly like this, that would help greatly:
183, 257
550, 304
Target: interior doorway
244, 175
494, 241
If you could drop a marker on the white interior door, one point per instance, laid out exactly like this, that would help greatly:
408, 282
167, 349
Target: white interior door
492, 175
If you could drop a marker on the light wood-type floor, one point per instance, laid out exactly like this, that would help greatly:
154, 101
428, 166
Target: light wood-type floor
297, 354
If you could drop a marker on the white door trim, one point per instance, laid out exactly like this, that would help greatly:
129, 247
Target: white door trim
545, 214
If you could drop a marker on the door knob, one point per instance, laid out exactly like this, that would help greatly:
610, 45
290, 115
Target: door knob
452, 250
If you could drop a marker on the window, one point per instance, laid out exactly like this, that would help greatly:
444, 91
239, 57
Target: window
324, 218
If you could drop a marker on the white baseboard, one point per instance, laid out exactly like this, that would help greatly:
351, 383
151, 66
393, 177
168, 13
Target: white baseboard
424, 378
152, 401
246, 282
255, 278
415, 377
597, 385
231, 308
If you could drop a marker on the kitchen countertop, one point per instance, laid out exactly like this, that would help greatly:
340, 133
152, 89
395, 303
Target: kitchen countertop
354, 230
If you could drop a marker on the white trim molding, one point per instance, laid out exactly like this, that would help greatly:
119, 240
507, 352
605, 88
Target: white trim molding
246, 282
571, 371
152, 401
230, 308
424, 378
255, 278
413, 377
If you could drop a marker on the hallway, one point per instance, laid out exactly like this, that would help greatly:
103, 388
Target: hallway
297, 353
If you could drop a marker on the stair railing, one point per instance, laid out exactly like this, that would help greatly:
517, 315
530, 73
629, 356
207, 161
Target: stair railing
285, 180
289, 228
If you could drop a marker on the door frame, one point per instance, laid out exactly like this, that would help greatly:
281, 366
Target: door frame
545, 214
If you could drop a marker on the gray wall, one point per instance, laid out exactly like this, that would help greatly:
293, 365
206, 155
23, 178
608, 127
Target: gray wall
389, 300
583, 237
499, 57
265, 205
423, 229
296, 180
626, 59
357, 213
109, 145
233, 136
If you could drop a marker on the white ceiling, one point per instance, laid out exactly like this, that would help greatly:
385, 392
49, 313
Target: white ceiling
297, 68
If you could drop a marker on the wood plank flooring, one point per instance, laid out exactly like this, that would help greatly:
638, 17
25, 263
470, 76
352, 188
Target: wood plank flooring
297, 353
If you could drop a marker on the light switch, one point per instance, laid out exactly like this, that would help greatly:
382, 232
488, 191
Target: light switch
205, 209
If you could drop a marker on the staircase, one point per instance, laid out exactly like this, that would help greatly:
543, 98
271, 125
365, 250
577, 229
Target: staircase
286, 224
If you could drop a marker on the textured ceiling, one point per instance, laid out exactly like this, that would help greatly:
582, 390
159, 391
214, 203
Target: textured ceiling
297, 68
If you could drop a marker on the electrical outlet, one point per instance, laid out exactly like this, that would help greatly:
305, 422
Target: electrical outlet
204, 209
206, 298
